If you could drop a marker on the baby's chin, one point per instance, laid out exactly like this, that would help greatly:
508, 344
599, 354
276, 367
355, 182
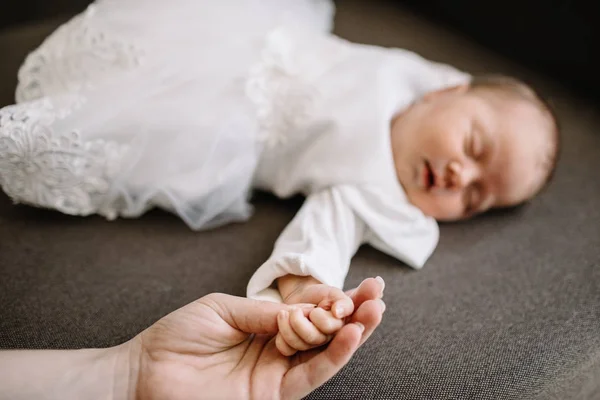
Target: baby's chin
429, 207
454, 219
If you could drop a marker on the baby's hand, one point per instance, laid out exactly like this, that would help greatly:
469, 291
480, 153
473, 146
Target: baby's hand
308, 290
298, 332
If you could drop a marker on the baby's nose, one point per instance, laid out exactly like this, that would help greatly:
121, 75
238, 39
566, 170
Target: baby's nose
458, 176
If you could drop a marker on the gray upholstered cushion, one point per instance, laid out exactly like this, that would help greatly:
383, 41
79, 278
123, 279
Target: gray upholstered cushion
508, 307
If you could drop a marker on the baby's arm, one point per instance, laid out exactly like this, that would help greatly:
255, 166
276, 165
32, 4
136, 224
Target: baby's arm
311, 259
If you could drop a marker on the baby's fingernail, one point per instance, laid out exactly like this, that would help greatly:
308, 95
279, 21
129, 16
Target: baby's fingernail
339, 311
382, 305
381, 282
360, 326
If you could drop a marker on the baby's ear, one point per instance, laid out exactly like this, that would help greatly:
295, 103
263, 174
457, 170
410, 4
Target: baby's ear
457, 89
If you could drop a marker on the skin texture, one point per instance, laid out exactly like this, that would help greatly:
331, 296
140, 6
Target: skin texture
218, 347
223, 347
333, 309
459, 152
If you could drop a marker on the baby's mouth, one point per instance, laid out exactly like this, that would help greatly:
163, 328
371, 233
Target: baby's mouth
429, 176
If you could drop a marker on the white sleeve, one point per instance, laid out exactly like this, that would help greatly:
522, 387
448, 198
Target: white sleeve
396, 228
320, 242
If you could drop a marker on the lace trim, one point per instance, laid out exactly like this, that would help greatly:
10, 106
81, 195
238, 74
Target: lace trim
282, 99
41, 167
74, 57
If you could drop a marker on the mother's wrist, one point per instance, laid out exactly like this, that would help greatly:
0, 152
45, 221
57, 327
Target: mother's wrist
126, 365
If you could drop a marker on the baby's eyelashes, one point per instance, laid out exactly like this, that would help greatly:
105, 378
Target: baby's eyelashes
475, 146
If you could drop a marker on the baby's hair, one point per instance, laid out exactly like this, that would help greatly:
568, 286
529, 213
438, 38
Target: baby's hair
518, 89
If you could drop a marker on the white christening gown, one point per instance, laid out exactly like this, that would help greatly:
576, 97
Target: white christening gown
188, 105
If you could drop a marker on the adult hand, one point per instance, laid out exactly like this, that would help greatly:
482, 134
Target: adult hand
222, 346
217, 347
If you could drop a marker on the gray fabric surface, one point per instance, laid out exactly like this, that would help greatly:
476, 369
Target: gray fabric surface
507, 308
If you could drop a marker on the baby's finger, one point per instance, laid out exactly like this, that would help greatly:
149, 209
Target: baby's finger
325, 321
338, 302
288, 334
343, 307
283, 347
306, 330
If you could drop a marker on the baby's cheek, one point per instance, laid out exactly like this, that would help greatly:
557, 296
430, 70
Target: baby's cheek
441, 206
449, 208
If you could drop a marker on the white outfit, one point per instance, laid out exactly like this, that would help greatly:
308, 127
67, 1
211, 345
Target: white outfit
188, 105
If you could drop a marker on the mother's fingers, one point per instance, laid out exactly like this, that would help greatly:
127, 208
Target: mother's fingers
369, 314
246, 315
369, 289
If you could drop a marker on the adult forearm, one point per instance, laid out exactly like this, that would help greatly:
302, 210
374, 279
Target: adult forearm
67, 374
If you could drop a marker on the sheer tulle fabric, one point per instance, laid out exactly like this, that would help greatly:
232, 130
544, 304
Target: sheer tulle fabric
136, 104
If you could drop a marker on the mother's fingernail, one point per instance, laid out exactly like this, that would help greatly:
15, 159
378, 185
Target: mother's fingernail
382, 306
381, 282
360, 326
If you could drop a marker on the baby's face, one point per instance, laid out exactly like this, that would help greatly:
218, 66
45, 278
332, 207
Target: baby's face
460, 152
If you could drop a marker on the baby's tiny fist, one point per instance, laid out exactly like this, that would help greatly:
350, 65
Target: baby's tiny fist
340, 304
297, 333
325, 321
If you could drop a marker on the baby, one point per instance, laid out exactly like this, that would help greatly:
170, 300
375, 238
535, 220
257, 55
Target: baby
189, 105
458, 152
